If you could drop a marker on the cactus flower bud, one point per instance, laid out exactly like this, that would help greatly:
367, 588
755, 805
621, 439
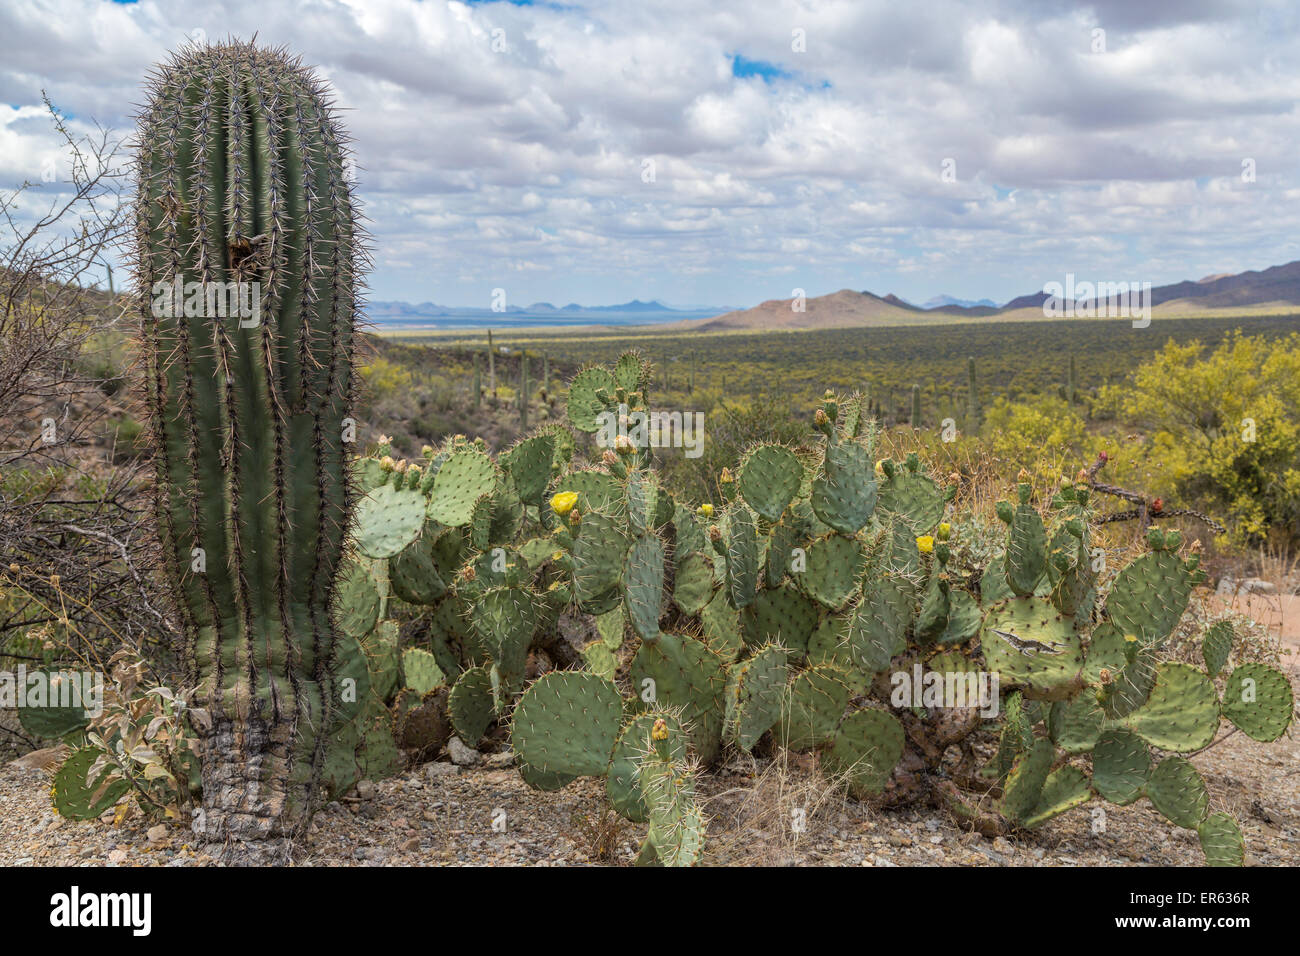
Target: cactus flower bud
1023, 476
715, 533
426, 451
660, 730
725, 478
608, 456
1105, 676
1066, 482
387, 463
945, 531
468, 573
880, 466
575, 517
563, 502
623, 445
820, 418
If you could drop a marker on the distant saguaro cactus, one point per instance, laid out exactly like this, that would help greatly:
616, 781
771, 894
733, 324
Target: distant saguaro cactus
916, 406
242, 186
973, 412
523, 390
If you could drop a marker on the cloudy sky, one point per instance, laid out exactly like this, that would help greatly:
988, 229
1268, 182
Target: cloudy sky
725, 152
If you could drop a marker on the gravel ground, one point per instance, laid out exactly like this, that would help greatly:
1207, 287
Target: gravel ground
443, 815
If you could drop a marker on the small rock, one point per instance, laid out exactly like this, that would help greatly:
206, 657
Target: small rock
366, 789
435, 770
157, 834
461, 755
411, 844
500, 761
117, 856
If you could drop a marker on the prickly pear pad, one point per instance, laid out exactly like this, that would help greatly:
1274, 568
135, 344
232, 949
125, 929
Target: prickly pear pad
567, 722
1030, 643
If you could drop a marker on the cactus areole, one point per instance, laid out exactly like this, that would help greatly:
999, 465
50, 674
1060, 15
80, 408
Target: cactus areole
242, 194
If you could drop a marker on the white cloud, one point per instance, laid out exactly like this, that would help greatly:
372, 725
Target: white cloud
522, 164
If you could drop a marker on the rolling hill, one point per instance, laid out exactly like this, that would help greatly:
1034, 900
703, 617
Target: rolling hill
1275, 290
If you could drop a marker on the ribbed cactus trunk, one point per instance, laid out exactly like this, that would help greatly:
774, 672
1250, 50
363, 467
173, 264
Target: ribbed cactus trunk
916, 406
492, 367
241, 180
478, 382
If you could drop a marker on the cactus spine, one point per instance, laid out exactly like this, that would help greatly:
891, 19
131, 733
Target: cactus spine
240, 174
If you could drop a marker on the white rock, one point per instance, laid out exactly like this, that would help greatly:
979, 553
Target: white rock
435, 770
461, 755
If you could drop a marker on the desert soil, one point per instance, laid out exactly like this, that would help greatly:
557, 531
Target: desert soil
442, 814
760, 813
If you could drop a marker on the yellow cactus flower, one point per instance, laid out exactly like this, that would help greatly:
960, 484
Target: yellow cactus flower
925, 544
880, 466
725, 478
945, 531
1130, 638
562, 502
706, 510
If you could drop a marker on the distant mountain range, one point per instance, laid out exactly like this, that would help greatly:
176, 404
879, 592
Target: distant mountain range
1273, 290
392, 315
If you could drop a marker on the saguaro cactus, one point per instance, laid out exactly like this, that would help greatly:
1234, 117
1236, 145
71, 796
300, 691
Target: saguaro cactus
241, 180
916, 406
523, 389
973, 413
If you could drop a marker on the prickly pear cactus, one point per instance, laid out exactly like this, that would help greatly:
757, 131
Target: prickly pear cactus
817, 607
